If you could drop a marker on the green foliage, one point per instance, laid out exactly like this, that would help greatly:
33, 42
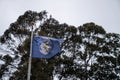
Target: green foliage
7, 59
2, 70
43, 68
86, 56
92, 28
2, 39
76, 38
21, 74
3, 67
25, 47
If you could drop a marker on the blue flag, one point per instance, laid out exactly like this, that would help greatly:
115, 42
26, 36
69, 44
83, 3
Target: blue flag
45, 47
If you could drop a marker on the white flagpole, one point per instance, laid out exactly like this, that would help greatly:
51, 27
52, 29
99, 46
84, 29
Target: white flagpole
30, 57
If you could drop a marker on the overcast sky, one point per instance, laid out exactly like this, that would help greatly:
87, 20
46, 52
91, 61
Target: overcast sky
73, 12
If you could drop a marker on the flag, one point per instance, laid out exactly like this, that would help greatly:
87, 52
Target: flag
45, 47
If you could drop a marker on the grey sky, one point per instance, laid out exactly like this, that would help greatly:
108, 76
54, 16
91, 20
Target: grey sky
74, 12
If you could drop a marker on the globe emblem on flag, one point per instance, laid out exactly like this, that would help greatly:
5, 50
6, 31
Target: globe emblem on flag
46, 46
